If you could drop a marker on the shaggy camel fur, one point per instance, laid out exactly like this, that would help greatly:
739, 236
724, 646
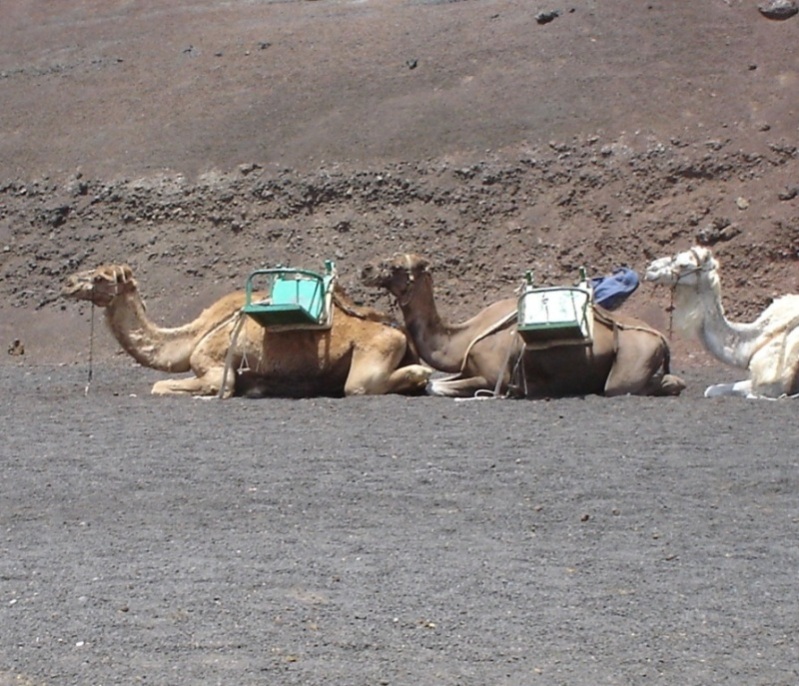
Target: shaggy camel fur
767, 347
626, 357
360, 354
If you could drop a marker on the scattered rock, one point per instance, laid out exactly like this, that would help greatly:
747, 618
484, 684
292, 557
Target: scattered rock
248, 168
16, 348
778, 9
546, 17
721, 230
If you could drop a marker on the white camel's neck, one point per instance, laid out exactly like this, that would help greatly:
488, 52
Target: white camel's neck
165, 349
700, 313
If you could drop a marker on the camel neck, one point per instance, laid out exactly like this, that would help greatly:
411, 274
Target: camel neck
702, 312
440, 345
165, 349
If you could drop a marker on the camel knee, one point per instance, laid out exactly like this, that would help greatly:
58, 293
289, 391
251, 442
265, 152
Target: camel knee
206, 385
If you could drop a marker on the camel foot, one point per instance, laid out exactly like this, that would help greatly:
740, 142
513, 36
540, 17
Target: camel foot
671, 385
741, 389
458, 387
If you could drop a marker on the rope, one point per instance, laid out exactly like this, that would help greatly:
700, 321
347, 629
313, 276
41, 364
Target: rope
501, 375
91, 352
671, 311
496, 326
229, 357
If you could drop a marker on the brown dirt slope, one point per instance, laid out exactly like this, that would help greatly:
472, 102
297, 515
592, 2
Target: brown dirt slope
200, 140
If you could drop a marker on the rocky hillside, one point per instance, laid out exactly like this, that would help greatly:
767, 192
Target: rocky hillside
510, 140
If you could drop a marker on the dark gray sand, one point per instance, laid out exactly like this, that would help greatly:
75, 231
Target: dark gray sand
393, 540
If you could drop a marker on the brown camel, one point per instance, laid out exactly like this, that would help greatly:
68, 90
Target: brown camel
359, 354
625, 357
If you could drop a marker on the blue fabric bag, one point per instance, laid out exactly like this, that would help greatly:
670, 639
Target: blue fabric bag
611, 291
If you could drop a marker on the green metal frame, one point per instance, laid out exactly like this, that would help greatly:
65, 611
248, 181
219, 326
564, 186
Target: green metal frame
553, 329
296, 297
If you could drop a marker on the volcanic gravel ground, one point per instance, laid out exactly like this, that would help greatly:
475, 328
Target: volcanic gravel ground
393, 540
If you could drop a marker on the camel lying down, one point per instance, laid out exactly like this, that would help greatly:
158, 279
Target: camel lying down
626, 356
360, 354
768, 347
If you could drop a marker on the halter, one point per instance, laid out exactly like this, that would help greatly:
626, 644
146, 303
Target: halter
116, 292
709, 267
117, 287
404, 298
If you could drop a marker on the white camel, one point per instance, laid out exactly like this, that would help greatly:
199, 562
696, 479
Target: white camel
768, 347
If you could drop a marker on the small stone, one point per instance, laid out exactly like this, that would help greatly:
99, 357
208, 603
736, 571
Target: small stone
16, 348
778, 9
546, 17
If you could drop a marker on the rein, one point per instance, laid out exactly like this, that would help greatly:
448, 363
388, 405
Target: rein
117, 291
407, 293
91, 352
670, 310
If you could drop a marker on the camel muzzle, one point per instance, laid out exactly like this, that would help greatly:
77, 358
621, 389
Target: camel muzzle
373, 275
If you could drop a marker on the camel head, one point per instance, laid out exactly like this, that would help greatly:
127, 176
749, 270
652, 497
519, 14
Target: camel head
396, 274
100, 286
683, 269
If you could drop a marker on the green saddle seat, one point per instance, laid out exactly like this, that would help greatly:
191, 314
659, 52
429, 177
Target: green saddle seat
297, 298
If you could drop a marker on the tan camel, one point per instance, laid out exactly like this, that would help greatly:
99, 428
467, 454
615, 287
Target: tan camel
768, 347
359, 354
626, 356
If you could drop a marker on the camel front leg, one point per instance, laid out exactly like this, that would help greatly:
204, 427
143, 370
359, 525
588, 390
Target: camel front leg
372, 377
206, 385
636, 368
373, 370
211, 357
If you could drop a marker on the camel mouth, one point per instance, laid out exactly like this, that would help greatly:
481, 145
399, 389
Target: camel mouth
653, 276
77, 287
374, 275
73, 288
661, 272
